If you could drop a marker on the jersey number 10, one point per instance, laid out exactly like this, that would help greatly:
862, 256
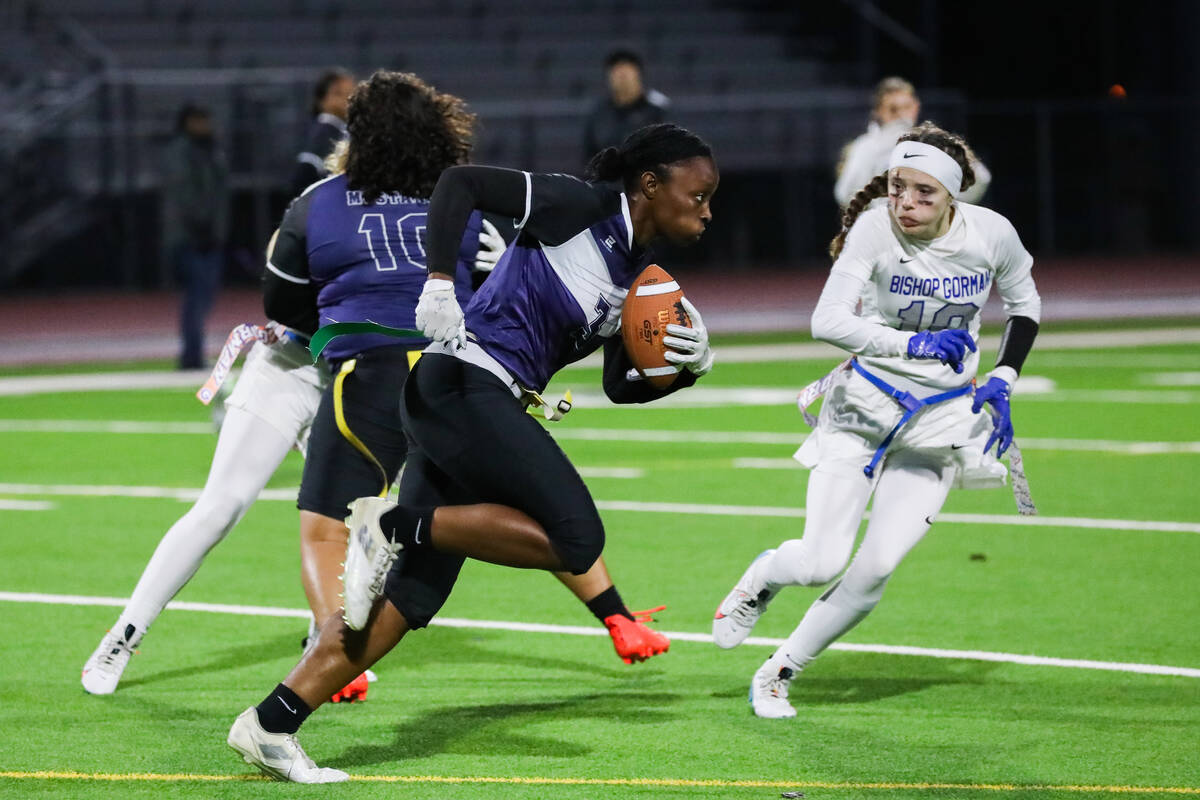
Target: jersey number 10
951, 315
410, 230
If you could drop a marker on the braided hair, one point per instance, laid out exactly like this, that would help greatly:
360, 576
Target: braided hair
951, 144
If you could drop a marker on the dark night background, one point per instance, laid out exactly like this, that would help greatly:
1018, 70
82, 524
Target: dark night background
1079, 172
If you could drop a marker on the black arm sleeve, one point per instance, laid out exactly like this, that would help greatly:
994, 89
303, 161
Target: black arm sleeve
289, 295
303, 176
291, 304
1019, 334
459, 191
620, 390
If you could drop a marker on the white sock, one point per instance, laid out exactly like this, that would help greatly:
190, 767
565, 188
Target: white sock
248, 452
825, 622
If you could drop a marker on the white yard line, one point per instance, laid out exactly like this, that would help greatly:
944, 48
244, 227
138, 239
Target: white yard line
1114, 360
702, 509
620, 473
729, 354
607, 435
813, 351
25, 505
1033, 388
568, 432
103, 426
1089, 523
1176, 378
1123, 396
593, 630
104, 382
1110, 446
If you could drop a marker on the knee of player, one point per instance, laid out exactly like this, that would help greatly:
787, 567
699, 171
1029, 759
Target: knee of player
869, 573
221, 511
882, 565
860, 592
578, 541
803, 565
823, 570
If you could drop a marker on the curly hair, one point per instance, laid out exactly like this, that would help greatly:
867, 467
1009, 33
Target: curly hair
402, 134
951, 144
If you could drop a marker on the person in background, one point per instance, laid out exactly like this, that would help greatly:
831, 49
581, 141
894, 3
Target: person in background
627, 106
331, 95
195, 198
895, 109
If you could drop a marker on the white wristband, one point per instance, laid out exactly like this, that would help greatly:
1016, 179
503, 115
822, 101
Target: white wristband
1006, 374
437, 285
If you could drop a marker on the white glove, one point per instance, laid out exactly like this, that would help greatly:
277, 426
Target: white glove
491, 247
691, 343
438, 314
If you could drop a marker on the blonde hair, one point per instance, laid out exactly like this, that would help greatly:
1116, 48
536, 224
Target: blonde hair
335, 162
890, 84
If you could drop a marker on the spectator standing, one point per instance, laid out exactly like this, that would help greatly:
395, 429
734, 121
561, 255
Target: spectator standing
331, 95
195, 221
894, 111
627, 106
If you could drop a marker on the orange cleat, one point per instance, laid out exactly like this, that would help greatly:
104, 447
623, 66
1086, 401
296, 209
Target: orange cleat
354, 690
632, 640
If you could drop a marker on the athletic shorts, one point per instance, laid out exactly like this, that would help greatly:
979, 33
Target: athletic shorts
279, 384
471, 441
856, 417
336, 471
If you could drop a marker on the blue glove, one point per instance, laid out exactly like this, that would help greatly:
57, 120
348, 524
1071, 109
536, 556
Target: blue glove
995, 394
948, 346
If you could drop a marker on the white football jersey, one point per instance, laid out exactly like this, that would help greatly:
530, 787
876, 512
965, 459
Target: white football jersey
911, 285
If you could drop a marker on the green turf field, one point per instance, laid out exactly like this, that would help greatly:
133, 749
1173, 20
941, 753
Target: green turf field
1112, 448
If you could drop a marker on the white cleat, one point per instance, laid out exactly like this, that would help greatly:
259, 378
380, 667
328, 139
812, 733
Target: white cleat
277, 755
102, 672
369, 556
769, 692
741, 608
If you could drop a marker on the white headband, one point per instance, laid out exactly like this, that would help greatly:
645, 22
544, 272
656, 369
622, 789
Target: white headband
930, 160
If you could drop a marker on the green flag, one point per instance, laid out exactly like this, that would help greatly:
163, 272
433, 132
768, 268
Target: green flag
328, 333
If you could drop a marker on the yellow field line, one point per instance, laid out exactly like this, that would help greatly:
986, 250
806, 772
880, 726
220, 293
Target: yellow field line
664, 782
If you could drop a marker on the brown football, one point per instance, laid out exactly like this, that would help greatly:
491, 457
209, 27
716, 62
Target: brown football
651, 305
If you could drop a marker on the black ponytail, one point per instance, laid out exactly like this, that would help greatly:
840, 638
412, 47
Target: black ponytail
606, 166
649, 149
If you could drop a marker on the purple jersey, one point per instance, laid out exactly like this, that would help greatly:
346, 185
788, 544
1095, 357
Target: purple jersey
558, 291
367, 260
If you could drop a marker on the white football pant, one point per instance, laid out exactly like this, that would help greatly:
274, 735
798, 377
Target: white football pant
249, 450
907, 497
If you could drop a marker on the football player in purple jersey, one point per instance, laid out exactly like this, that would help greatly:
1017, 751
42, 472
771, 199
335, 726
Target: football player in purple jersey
483, 478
